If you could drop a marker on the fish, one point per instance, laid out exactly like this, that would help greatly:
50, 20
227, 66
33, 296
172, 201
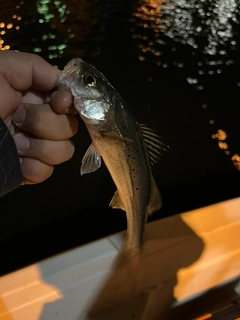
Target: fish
128, 149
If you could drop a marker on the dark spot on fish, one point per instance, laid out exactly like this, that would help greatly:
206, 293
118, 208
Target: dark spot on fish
137, 188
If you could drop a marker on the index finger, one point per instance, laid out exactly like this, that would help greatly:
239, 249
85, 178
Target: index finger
26, 70
20, 71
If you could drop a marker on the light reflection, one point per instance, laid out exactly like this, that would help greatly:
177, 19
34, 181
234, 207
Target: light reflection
236, 161
221, 137
37, 50
192, 80
45, 21
223, 145
206, 27
148, 16
9, 26
45, 9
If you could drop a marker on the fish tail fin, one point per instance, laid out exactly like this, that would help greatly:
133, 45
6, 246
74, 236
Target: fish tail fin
128, 256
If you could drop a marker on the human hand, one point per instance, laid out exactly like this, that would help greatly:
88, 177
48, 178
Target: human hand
39, 119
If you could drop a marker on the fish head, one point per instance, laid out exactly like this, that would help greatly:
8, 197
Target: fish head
92, 92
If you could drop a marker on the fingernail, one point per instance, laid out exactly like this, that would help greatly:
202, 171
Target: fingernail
22, 142
19, 115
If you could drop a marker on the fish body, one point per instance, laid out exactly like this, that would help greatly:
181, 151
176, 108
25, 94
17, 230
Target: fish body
126, 147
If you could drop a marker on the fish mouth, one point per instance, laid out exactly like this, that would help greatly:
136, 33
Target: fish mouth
71, 67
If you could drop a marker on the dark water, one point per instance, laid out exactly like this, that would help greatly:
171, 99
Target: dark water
177, 65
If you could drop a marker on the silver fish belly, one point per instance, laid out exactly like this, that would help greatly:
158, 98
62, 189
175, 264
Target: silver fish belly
127, 148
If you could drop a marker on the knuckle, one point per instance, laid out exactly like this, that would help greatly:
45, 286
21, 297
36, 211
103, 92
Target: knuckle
36, 170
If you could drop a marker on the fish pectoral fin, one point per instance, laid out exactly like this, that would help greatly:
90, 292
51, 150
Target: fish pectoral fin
155, 202
91, 161
116, 202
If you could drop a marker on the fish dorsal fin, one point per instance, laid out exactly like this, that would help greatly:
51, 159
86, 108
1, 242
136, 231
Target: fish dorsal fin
91, 161
155, 202
116, 202
155, 144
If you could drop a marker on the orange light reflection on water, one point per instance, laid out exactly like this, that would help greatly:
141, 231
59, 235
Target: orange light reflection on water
148, 14
9, 26
221, 137
6, 27
209, 29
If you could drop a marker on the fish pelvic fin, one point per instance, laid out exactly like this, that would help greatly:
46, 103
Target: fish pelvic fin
155, 202
91, 161
116, 202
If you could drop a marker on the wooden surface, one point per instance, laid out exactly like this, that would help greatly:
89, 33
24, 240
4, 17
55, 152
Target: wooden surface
184, 257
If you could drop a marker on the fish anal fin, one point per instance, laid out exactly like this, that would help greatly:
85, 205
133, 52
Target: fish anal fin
155, 202
116, 202
91, 161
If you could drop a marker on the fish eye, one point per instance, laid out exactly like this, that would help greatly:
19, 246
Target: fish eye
90, 80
